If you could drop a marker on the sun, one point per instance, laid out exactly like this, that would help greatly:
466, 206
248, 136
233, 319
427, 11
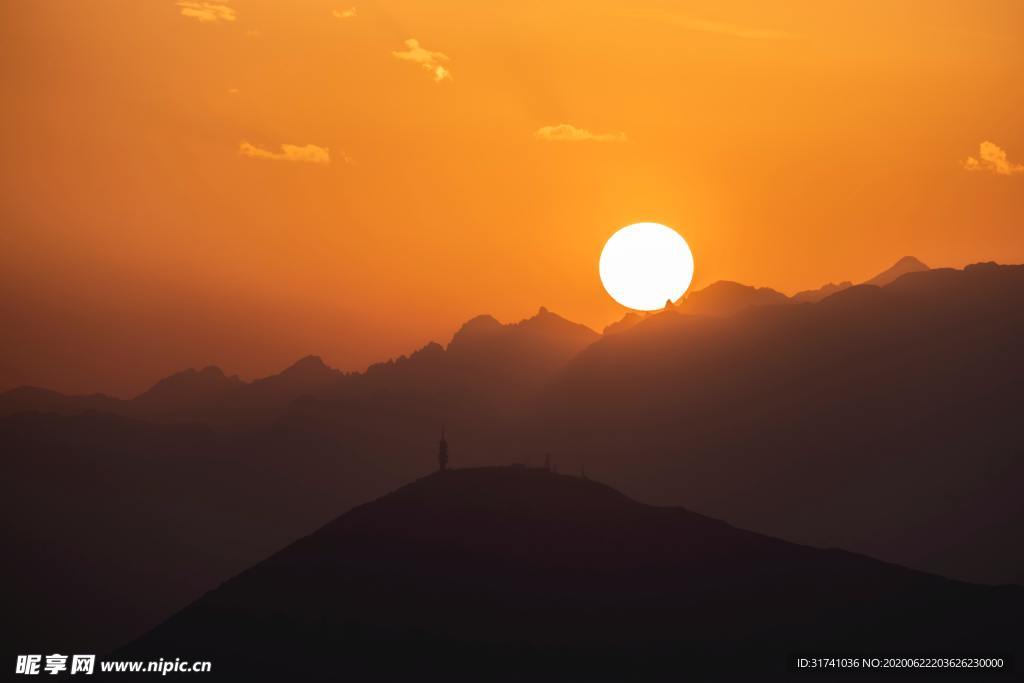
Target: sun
645, 265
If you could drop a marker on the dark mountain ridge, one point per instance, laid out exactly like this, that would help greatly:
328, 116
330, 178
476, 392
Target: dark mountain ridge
506, 573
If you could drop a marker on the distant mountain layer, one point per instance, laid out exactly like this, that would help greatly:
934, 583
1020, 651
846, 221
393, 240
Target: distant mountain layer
907, 264
883, 420
813, 296
524, 574
529, 350
726, 298
520, 356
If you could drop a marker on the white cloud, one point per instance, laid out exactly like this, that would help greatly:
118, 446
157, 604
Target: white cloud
565, 132
206, 12
349, 13
309, 154
428, 59
992, 159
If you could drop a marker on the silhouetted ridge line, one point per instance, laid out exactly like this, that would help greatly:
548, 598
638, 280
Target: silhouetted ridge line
520, 571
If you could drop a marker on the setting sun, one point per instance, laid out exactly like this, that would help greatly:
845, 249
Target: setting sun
645, 265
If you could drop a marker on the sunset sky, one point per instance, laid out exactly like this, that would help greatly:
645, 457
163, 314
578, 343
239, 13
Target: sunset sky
244, 183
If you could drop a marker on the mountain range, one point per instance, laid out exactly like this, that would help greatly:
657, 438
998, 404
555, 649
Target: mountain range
881, 419
528, 351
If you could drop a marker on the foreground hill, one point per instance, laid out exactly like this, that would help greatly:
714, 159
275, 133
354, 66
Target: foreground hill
512, 573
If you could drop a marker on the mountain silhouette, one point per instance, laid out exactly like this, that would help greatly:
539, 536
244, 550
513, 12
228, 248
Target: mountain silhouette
726, 298
188, 393
627, 322
542, 342
512, 573
487, 369
520, 355
907, 264
535, 346
35, 399
811, 296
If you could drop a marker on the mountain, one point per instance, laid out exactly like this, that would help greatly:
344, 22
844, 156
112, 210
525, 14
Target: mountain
627, 322
725, 298
482, 354
880, 420
305, 375
536, 344
811, 296
556, 339
513, 573
35, 399
188, 393
907, 264
487, 371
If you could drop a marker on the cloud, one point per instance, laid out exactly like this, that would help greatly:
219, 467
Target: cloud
349, 13
428, 59
206, 12
992, 159
309, 154
565, 132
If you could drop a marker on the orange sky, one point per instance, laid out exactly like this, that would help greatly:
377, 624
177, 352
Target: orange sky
151, 220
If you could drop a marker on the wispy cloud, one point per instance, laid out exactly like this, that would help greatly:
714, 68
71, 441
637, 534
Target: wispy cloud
992, 159
308, 154
428, 59
722, 28
349, 13
565, 132
206, 12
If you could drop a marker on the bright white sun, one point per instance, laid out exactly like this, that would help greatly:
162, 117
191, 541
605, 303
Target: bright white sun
645, 265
